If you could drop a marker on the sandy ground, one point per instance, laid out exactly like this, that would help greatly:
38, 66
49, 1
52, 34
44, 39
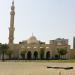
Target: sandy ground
34, 68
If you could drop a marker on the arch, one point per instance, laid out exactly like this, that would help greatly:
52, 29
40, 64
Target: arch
29, 55
48, 55
35, 55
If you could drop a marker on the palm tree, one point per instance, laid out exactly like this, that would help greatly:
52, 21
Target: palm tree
62, 51
3, 49
23, 54
42, 51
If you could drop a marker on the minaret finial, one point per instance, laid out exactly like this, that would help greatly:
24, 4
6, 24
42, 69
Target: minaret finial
13, 2
12, 6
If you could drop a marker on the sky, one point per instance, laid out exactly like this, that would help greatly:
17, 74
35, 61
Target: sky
46, 19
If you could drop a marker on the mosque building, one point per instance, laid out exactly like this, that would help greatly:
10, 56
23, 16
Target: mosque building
33, 47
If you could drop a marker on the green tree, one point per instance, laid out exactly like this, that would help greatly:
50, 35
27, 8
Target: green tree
42, 52
3, 50
61, 52
23, 54
9, 53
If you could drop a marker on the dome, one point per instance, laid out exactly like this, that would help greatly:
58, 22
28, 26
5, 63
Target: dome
32, 40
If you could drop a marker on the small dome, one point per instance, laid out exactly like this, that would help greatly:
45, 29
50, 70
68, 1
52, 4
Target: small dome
32, 40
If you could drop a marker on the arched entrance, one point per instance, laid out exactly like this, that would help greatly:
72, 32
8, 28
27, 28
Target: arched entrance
29, 54
35, 55
48, 55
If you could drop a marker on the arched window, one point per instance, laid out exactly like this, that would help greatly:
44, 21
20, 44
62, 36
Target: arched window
48, 55
29, 55
35, 55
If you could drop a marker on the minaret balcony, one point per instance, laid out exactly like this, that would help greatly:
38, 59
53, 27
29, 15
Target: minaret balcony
12, 12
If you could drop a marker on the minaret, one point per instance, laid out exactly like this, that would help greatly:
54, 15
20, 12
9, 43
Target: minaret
11, 28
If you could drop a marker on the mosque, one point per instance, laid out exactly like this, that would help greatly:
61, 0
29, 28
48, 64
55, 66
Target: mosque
33, 47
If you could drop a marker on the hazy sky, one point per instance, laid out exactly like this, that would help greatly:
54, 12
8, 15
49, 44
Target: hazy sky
47, 19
